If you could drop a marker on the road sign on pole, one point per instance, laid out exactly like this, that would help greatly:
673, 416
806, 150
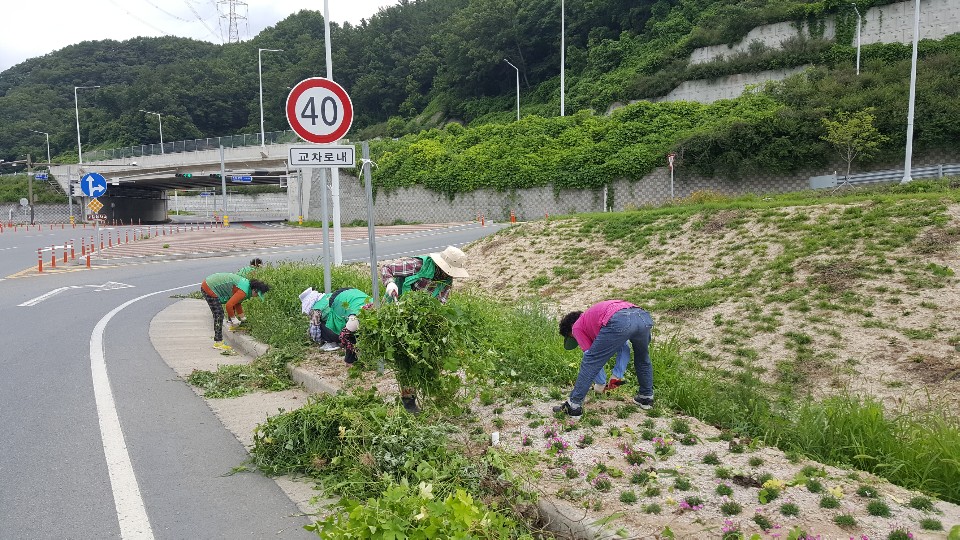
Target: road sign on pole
319, 110
328, 155
241, 178
93, 185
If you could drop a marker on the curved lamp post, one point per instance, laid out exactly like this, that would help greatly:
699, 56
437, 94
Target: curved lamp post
518, 87
263, 141
76, 108
161, 126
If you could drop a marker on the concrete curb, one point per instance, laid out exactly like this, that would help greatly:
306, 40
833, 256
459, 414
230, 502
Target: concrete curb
553, 515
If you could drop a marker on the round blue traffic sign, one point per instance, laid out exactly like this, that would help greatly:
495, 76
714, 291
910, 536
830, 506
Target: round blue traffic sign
93, 185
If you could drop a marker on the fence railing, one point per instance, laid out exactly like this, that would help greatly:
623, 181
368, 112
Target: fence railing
195, 145
932, 171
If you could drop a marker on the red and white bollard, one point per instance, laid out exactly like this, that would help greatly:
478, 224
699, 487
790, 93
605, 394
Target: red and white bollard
88, 260
39, 260
53, 256
73, 254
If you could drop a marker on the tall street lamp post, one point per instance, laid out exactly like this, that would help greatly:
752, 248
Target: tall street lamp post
518, 87
859, 18
908, 160
76, 108
161, 126
563, 51
260, 72
48, 143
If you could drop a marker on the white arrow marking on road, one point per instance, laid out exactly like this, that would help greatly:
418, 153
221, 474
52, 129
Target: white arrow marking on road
108, 286
5, 249
43, 297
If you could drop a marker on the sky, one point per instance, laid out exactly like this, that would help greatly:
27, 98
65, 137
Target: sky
37, 27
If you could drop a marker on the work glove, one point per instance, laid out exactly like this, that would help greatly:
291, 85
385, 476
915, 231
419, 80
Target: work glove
352, 324
235, 321
392, 290
243, 318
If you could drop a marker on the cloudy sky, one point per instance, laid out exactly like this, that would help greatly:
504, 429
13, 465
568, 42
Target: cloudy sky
36, 27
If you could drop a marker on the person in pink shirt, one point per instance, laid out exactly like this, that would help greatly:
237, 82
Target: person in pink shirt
601, 332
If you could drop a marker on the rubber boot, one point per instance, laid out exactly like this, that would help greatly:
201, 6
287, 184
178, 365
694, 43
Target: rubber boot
410, 404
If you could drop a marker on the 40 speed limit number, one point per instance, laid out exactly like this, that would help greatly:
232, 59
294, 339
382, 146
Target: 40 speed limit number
319, 110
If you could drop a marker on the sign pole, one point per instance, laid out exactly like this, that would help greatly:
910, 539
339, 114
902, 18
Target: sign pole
371, 232
223, 180
326, 231
670, 157
30, 186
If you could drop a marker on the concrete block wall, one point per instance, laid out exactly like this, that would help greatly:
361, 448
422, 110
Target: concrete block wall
771, 35
891, 23
729, 87
420, 205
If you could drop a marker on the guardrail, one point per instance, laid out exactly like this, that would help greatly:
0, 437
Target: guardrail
195, 145
877, 177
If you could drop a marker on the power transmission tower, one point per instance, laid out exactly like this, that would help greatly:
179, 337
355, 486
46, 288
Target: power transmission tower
230, 10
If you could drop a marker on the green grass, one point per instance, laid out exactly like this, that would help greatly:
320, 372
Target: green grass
913, 450
267, 373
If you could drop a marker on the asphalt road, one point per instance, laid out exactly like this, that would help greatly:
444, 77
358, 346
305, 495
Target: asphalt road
100, 439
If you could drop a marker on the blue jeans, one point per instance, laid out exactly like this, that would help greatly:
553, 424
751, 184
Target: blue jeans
619, 367
631, 325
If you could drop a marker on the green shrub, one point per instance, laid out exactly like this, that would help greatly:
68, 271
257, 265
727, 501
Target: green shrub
878, 508
402, 511
829, 501
845, 521
930, 524
789, 509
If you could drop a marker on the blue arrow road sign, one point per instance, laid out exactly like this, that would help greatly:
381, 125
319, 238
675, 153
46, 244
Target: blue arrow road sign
93, 185
241, 179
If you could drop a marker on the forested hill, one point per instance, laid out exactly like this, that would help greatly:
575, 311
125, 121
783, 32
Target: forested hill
415, 65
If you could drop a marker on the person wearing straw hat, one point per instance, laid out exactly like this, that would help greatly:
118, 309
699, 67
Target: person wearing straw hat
601, 331
226, 291
432, 274
333, 318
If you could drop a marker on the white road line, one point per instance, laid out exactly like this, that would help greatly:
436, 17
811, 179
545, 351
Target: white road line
131, 512
42, 297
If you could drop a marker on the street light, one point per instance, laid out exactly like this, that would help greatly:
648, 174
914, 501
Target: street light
563, 50
161, 126
907, 162
48, 144
518, 87
76, 108
263, 141
858, 36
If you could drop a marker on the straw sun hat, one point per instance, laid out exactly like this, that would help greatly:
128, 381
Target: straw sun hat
451, 261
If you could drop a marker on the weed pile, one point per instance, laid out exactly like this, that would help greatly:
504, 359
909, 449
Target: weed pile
371, 454
268, 373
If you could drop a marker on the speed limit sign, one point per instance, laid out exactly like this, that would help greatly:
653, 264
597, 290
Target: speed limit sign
319, 110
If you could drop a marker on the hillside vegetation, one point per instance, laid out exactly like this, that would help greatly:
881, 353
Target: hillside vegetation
418, 64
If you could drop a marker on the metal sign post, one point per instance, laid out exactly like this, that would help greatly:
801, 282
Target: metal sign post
371, 232
320, 111
670, 157
326, 230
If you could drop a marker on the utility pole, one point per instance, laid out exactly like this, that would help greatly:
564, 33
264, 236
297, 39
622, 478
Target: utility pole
30, 186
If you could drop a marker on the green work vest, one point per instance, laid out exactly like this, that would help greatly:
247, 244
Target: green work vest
222, 285
427, 270
245, 271
347, 302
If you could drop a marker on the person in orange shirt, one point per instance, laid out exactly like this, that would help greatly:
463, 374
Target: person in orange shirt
226, 290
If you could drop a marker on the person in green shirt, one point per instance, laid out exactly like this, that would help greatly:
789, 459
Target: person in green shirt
333, 317
246, 270
227, 291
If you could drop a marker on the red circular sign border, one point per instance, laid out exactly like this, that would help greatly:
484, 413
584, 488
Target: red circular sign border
319, 82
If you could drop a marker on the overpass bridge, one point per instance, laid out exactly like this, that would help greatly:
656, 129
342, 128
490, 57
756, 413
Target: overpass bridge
139, 185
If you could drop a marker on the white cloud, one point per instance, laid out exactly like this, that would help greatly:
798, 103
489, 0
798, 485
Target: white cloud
37, 27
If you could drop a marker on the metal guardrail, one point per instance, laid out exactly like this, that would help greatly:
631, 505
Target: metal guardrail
195, 145
878, 177
933, 171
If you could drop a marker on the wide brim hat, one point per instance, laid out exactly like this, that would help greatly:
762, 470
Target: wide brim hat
570, 343
451, 261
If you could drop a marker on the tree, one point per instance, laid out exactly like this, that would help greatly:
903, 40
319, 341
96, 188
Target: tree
853, 135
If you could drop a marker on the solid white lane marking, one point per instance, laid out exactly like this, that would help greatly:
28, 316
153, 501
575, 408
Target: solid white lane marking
131, 512
42, 297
